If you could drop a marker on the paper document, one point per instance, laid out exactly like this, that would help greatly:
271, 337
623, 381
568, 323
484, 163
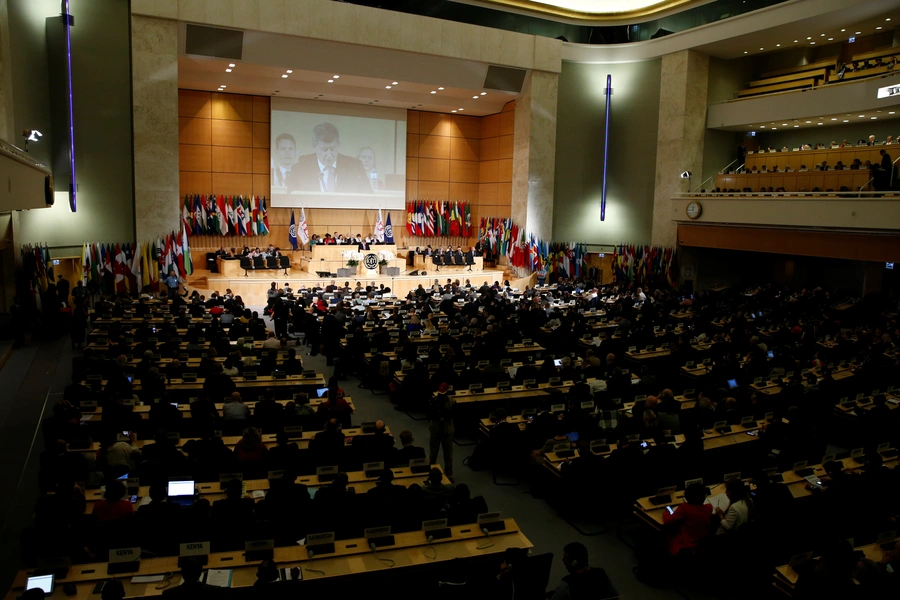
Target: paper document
148, 578
285, 574
718, 501
219, 577
258, 494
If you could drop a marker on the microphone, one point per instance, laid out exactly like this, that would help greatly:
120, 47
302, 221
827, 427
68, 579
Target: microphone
386, 561
433, 549
485, 531
311, 554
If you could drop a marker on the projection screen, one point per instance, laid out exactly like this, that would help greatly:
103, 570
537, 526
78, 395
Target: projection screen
333, 155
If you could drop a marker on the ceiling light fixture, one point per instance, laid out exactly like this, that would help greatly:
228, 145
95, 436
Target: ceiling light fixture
879, 27
336, 77
434, 91
888, 19
223, 86
891, 112
843, 30
830, 39
232, 65
846, 120
820, 123
474, 97
774, 128
387, 87
331, 81
809, 38
483, 94
745, 52
862, 116
809, 121
394, 83
284, 76
873, 118
834, 118
289, 71
795, 41
452, 111
459, 109
778, 45
857, 33
812, 43
762, 48
228, 70
440, 89
796, 126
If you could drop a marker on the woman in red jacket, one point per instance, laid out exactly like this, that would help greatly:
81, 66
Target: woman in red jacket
250, 448
690, 522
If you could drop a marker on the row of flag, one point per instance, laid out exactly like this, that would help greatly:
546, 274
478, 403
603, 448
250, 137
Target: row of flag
430, 218
499, 235
37, 269
224, 215
563, 259
655, 265
129, 267
384, 231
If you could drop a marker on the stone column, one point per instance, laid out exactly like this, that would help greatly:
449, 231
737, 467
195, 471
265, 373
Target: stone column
534, 154
682, 127
154, 76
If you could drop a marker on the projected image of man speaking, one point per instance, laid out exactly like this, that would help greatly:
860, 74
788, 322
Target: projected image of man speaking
327, 170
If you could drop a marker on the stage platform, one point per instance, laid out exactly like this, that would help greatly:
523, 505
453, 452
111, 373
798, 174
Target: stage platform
252, 289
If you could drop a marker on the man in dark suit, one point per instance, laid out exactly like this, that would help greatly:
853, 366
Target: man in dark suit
361, 243
285, 155
326, 170
191, 586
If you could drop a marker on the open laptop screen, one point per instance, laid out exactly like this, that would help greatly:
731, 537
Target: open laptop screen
180, 488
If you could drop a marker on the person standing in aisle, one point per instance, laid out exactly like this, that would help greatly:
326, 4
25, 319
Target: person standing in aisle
441, 427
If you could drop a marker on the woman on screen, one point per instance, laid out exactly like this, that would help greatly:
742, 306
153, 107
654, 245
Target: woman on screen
367, 157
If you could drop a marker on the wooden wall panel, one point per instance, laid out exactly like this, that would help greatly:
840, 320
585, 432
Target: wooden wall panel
225, 150
851, 246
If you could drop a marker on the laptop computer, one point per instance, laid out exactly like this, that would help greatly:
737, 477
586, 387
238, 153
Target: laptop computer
181, 492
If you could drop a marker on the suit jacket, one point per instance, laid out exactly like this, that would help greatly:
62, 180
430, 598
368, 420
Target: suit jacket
350, 176
276, 177
362, 245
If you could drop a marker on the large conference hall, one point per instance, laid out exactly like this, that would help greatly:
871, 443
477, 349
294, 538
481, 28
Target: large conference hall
527, 299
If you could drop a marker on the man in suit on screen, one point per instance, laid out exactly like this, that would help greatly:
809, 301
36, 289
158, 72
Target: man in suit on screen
285, 157
326, 170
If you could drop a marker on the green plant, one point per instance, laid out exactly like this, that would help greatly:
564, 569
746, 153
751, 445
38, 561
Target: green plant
383, 262
352, 263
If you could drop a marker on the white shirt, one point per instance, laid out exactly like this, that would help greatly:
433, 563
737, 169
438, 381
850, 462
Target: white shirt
323, 181
737, 514
282, 172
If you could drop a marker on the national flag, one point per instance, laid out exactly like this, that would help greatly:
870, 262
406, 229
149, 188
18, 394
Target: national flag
410, 229
292, 232
222, 209
204, 210
85, 264
146, 279
229, 215
199, 221
264, 218
237, 215
186, 251
254, 215
95, 264
303, 234
118, 269
178, 252
389, 231
454, 223
186, 212
248, 218
379, 228
429, 219
468, 222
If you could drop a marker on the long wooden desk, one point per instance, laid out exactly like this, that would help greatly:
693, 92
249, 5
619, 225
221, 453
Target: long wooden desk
144, 409
263, 381
350, 557
796, 181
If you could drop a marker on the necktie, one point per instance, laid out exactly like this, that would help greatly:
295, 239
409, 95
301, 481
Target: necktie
329, 179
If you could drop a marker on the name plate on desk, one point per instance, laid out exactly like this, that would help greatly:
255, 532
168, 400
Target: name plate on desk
128, 402
587, 405
419, 465
88, 405
315, 539
857, 452
249, 375
434, 524
555, 408
373, 469
698, 481
326, 473
132, 483
436, 529
278, 474
492, 521
122, 555
882, 447
259, 550
193, 549
377, 532
735, 475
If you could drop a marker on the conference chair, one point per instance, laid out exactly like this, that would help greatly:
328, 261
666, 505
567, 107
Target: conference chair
258, 263
448, 260
457, 259
246, 264
470, 260
284, 262
271, 262
436, 259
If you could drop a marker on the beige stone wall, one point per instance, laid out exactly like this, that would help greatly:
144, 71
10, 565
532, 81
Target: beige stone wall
534, 154
154, 60
682, 128
340, 22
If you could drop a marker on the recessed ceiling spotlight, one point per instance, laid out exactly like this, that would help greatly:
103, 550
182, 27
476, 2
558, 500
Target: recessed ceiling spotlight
745, 52
846, 120
474, 97
821, 35
891, 112
232, 65
394, 83
440, 88
289, 71
809, 38
774, 128
336, 77
879, 27
888, 19
762, 48
809, 121
834, 118
820, 123
873, 118
387, 87
452, 111
843, 30
223, 86
778, 45
796, 126
434, 91
331, 81
459, 109
228, 70
483, 94
784, 124
284, 76
762, 126
830, 39
857, 33
795, 41
812, 43
862, 116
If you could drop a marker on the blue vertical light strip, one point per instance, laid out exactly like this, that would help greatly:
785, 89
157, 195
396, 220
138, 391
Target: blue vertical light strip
605, 148
67, 23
